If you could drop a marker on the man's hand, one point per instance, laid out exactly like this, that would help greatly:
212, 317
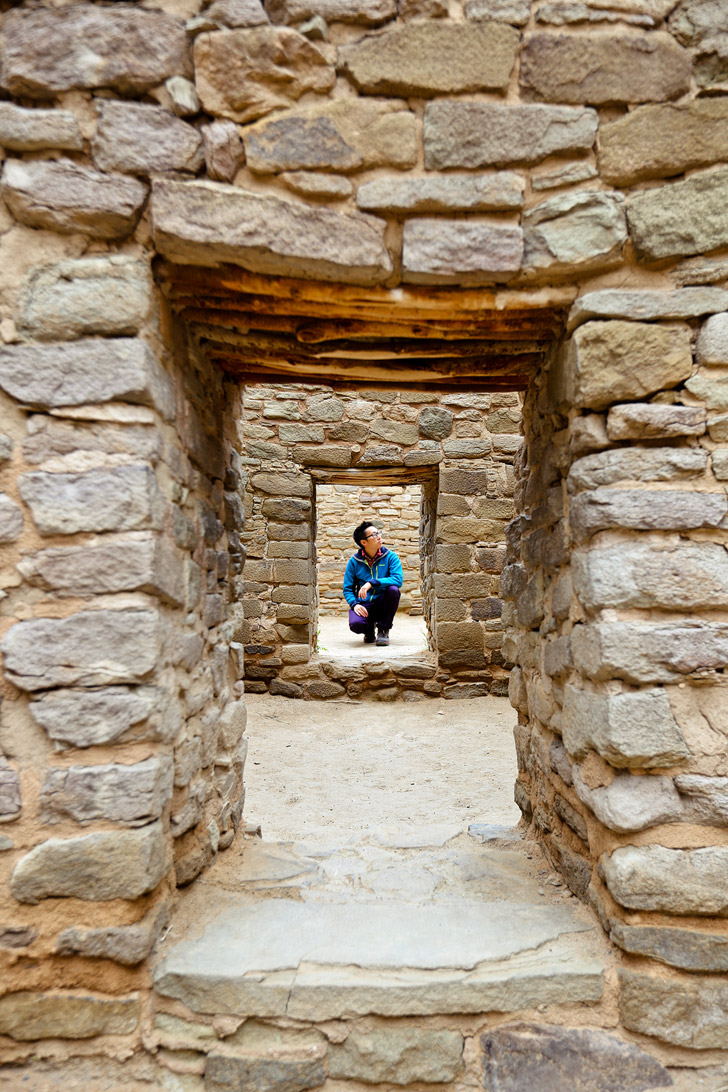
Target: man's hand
361, 611
363, 590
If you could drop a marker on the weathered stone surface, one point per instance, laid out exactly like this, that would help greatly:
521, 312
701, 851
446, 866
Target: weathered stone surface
609, 67
244, 74
344, 135
311, 184
33, 130
262, 1073
705, 799
644, 306
646, 653
702, 26
574, 232
27, 1015
674, 881
91, 648
648, 464
435, 422
565, 176
125, 498
46, 376
80, 297
432, 58
687, 217
687, 949
645, 510
11, 519
689, 1013
449, 193
126, 48
10, 801
368, 12
237, 13
67, 197
662, 140
606, 362
654, 421
223, 149
628, 730
207, 222
185, 102
133, 794
515, 12
399, 1055
127, 944
552, 1059
85, 718
140, 139
711, 387
631, 803
484, 134
437, 251
283, 485
680, 576
96, 867
712, 345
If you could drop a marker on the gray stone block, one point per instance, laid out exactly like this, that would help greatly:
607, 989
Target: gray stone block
342, 135
67, 197
91, 648
11, 519
126, 944
672, 881
712, 345
484, 134
207, 222
128, 49
94, 867
139, 139
24, 130
628, 730
705, 799
26, 1015
553, 1059
437, 251
125, 498
237, 13
638, 464
10, 801
689, 1013
133, 794
86, 718
93, 370
223, 149
368, 12
86, 296
574, 232
645, 510
631, 803
398, 1055
604, 68
654, 421
423, 59
687, 217
448, 193
670, 576
646, 305
597, 366
516, 12
687, 949
225, 1073
649, 652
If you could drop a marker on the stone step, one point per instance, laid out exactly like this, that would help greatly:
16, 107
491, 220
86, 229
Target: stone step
324, 959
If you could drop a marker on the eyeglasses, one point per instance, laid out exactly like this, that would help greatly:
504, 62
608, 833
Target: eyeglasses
377, 534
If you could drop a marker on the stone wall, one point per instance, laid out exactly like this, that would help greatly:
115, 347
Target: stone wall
297, 437
395, 510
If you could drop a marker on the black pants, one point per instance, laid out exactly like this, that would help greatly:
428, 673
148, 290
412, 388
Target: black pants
381, 612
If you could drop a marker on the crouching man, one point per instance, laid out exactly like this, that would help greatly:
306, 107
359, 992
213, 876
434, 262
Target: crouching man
372, 581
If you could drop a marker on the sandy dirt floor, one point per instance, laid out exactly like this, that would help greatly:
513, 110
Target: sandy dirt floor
408, 637
343, 771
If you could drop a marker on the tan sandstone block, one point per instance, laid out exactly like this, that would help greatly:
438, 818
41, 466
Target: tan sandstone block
27, 1015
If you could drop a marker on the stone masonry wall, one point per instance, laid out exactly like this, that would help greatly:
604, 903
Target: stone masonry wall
395, 509
575, 153
464, 442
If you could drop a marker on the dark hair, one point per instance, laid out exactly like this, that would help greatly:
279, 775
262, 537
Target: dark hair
360, 530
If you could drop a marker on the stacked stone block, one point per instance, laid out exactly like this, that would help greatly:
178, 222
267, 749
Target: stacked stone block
395, 509
616, 579
462, 446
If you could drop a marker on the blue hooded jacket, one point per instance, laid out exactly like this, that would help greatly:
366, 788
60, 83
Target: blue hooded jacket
380, 571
